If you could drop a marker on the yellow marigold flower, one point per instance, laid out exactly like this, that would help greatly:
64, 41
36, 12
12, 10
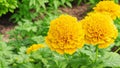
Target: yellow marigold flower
34, 47
108, 7
99, 30
65, 35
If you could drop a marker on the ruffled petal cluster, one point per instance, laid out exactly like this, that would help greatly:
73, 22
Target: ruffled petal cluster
65, 35
99, 29
34, 47
108, 7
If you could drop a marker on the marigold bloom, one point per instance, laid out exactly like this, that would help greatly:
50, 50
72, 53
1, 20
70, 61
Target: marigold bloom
65, 35
108, 7
34, 47
99, 30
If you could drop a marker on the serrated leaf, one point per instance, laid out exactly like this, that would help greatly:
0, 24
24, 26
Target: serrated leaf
56, 4
63, 64
75, 63
63, 1
79, 2
92, 1
3, 63
32, 2
111, 59
11, 10
69, 4
38, 39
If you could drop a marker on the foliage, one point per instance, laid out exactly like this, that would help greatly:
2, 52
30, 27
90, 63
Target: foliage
94, 2
117, 23
34, 18
7, 5
58, 3
28, 9
32, 9
5, 54
28, 32
45, 58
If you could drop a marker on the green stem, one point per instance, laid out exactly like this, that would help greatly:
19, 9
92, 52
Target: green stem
2, 65
66, 57
117, 50
96, 53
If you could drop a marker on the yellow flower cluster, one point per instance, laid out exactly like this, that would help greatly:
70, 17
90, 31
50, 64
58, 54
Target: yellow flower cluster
99, 30
108, 7
65, 35
34, 47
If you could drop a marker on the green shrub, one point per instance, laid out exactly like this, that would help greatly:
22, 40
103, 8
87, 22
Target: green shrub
117, 23
45, 58
28, 9
13, 54
32, 9
7, 5
27, 32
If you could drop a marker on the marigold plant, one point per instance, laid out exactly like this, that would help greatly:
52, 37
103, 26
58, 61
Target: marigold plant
34, 47
65, 35
99, 30
108, 7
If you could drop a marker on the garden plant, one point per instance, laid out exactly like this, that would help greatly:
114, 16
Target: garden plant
44, 37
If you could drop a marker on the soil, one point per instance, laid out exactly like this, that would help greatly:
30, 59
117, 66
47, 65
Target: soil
5, 26
77, 11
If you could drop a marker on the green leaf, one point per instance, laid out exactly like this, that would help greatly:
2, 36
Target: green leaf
12, 6
26, 65
38, 65
111, 59
56, 3
63, 64
92, 1
3, 63
42, 3
5, 50
69, 4
76, 62
79, 1
116, 1
7, 5
38, 39
32, 2
63, 1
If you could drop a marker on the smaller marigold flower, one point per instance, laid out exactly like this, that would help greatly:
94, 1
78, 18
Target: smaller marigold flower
34, 47
108, 7
65, 35
99, 30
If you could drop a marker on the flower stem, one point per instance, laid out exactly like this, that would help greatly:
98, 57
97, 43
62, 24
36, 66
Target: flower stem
66, 57
96, 57
117, 50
